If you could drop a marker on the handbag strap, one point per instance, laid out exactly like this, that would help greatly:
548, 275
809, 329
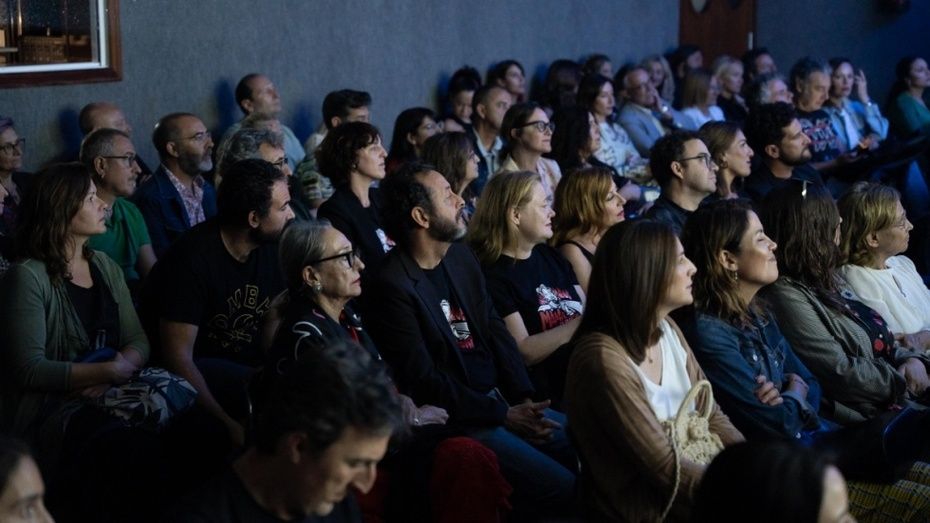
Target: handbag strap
680, 416
691, 398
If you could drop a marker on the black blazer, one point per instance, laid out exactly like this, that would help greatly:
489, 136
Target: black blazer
412, 334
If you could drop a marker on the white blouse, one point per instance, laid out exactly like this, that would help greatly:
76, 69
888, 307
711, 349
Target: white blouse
699, 118
665, 398
897, 293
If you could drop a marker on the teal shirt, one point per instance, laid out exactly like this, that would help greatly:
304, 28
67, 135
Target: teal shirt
908, 116
126, 234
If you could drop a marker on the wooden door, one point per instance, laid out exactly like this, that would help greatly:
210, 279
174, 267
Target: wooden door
723, 27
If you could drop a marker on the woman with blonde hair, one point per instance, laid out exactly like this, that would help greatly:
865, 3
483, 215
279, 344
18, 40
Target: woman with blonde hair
727, 146
660, 75
699, 98
532, 287
729, 72
874, 232
587, 203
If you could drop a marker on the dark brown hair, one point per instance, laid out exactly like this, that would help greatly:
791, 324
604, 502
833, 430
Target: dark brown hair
337, 156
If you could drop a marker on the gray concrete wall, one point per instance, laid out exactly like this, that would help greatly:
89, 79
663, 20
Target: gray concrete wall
188, 55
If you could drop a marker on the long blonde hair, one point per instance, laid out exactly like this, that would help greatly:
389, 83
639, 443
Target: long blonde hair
489, 232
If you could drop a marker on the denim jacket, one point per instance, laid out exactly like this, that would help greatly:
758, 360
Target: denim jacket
733, 357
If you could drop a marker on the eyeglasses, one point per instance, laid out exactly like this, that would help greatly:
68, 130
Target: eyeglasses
7, 148
706, 158
127, 159
280, 163
202, 136
433, 126
540, 126
349, 257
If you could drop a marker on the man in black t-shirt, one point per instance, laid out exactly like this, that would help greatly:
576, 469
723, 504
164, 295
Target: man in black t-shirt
204, 301
682, 165
323, 429
435, 324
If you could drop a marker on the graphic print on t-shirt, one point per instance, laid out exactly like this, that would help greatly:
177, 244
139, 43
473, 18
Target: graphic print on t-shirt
459, 325
556, 306
236, 329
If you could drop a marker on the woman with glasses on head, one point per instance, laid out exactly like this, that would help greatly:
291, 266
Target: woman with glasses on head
527, 134
533, 288
454, 156
411, 130
727, 146
596, 94
12, 180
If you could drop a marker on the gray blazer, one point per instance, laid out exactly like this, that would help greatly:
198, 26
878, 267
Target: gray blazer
641, 128
856, 385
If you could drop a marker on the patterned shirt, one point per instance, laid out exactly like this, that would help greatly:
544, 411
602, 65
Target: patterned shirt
191, 196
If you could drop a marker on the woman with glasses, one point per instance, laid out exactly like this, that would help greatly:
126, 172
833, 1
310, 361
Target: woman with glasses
454, 156
411, 130
11, 161
596, 94
322, 271
527, 134
531, 285
110, 157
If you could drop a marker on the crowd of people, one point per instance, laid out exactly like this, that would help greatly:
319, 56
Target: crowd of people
494, 317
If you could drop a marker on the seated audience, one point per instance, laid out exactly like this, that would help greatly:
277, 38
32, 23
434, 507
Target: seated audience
205, 298
437, 328
586, 204
339, 107
775, 135
532, 287
844, 343
12, 180
561, 85
907, 108
768, 89
352, 157
629, 372
177, 197
110, 157
322, 430
510, 75
596, 94
874, 233
660, 76
527, 134
456, 160
411, 130
22, 490
462, 86
699, 98
256, 94
727, 146
859, 122
597, 63
729, 73
774, 482
107, 115
645, 116
758, 62
686, 172
490, 104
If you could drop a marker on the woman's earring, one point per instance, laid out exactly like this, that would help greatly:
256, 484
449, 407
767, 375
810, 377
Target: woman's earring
734, 275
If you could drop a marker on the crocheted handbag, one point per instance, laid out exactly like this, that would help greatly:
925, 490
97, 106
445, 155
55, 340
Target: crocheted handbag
690, 435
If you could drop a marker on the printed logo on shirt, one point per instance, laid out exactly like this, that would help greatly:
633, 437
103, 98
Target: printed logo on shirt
236, 329
386, 242
556, 306
459, 325
823, 137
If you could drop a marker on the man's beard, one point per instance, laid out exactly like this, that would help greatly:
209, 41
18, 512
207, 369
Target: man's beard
443, 230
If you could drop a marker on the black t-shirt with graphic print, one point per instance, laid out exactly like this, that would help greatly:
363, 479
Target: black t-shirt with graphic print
479, 363
200, 283
541, 288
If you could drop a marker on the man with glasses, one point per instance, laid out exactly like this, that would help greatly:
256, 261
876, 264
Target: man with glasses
782, 150
177, 196
645, 116
111, 159
204, 301
687, 174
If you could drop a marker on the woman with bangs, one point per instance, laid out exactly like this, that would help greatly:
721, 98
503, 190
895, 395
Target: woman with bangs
532, 287
587, 203
874, 234
630, 370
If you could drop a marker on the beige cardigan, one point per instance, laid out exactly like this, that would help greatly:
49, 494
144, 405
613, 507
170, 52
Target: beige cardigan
628, 467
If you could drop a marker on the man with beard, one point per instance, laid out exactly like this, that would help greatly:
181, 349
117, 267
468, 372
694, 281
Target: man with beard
204, 301
436, 326
177, 197
782, 150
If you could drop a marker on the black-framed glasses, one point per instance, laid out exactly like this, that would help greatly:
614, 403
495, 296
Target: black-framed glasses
128, 159
350, 258
540, 126
706, 158
7, 148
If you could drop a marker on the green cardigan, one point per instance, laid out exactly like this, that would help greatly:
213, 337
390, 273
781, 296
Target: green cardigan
41, 334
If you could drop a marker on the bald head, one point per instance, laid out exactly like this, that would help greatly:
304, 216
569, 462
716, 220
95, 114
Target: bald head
103, 115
